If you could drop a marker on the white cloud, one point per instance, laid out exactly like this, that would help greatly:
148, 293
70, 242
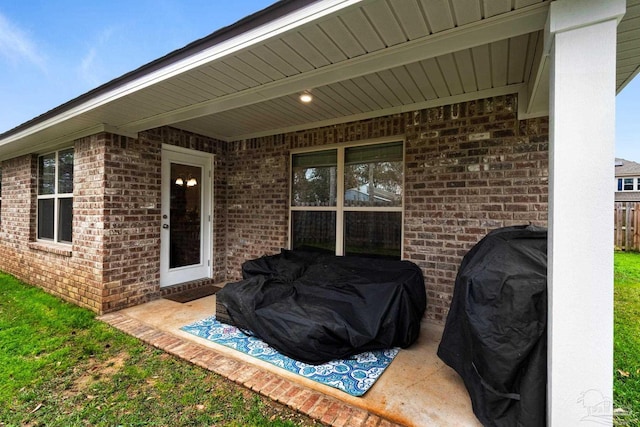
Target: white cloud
91, 69
87, 67
16, 46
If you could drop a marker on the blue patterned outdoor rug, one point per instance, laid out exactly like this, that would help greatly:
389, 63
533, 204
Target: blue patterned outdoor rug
354, 375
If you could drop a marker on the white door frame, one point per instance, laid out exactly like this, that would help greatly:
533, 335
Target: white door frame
172, 276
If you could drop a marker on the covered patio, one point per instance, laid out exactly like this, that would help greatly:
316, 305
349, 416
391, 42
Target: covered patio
505, 110
417, 389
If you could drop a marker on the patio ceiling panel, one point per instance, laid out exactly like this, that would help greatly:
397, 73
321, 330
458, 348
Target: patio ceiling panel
482, 62
466, 12
499, 62
496, 7
336, 30
518, 4
628, 49
464, 64
410, 14
450, 73
282, 112
293, 58
419, 76
389, 90
233, 77
438, 14
370, 27
311, 54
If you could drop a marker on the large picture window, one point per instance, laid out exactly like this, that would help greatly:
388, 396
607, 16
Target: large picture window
55, 196
348, 200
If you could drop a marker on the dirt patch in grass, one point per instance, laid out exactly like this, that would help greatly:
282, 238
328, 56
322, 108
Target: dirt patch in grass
95, 371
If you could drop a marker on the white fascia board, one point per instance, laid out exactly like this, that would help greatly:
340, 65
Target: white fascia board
257, 35
628, 80
51, 144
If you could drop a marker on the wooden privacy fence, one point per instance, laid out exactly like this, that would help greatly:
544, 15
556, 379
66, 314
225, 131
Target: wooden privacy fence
627, 226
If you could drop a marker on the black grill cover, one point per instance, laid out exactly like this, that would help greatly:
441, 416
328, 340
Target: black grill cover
316, 308
495, 334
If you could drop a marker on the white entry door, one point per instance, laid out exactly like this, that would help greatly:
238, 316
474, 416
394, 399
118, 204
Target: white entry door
186, 234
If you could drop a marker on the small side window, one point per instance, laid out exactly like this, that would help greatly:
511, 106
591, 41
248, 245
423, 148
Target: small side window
55, 196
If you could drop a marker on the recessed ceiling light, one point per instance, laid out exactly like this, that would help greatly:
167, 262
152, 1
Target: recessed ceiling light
306, 97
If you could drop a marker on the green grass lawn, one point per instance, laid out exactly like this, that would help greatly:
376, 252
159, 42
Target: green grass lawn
626, 384
61, 367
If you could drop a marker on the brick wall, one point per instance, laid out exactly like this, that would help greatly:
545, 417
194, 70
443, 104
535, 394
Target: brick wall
53, 268
131, 220
257, 197
114, 260
470, 168
132, 217
88, 222
18, 201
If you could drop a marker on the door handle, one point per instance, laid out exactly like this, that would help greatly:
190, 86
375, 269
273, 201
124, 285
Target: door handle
165, 225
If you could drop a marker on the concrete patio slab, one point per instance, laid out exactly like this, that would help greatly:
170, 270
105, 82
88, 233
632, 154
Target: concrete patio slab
417, 389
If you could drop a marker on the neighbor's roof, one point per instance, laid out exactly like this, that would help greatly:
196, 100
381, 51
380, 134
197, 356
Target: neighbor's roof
359, 58
626, 168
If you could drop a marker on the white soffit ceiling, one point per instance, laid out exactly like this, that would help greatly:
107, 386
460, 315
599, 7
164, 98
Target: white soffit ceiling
359, 59
373, 58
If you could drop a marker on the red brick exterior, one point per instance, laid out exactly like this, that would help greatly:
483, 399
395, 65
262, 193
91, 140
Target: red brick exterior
131, 220
257, 198
470, 168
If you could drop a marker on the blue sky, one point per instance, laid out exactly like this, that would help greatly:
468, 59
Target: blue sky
53, 51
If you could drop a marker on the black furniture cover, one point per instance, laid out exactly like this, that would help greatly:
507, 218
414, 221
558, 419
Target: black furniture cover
495, 334
315, 307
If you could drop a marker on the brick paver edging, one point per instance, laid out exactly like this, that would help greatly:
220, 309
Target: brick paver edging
326, 409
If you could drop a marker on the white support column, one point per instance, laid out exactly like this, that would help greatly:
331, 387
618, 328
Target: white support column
582, 40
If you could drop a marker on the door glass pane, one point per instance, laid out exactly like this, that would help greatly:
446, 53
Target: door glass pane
65, 219
45, 218
185, 216
373, 175
314, 179
375, 234
314, 230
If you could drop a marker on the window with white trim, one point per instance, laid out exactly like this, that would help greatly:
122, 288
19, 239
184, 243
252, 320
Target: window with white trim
348, 200
628, 184
55, 196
